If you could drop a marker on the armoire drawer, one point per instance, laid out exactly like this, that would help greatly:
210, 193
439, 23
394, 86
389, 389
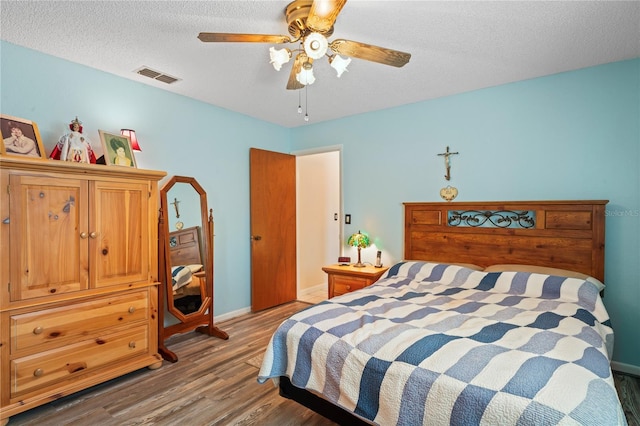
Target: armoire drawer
42, 369
49, 328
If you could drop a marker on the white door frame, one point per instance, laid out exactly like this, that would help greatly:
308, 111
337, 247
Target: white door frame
322, 150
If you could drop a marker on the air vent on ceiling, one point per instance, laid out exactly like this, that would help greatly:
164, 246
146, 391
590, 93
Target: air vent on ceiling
156, 75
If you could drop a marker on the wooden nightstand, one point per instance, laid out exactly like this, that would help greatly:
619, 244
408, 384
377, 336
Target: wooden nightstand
343, 279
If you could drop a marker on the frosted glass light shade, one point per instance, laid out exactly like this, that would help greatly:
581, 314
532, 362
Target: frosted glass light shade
339, 64
279, 57
315, 45
305, 76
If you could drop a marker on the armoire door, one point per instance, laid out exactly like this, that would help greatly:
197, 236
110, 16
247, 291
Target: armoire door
119, 231
273, 228
48, 236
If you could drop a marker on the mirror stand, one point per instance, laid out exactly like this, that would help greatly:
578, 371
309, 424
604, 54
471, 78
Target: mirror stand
185, 264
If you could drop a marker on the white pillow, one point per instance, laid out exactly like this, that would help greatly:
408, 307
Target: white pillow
180, 276
195, 268
546, 271
464, 265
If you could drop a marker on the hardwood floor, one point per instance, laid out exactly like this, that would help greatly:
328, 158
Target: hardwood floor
213, 383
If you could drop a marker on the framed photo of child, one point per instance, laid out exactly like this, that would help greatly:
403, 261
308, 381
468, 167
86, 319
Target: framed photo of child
117, 149
21, 138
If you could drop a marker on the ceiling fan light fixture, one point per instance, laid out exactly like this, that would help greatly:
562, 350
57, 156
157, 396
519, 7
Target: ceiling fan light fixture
339, 64
315, 45
279, 57
305, 76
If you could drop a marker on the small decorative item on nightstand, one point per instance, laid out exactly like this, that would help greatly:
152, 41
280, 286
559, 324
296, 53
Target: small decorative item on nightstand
344, 279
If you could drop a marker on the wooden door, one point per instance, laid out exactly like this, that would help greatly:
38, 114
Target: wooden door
119, 233
273, 228
48, 236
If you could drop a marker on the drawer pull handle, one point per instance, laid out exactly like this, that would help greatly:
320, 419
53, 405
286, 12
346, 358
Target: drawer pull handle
132, 309
132, 345
38, 330
38, 372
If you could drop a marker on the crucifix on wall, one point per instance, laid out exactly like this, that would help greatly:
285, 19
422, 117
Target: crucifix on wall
447, 162
175, 204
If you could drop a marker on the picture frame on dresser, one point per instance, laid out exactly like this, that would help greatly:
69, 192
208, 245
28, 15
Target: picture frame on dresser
21, 138
117, 149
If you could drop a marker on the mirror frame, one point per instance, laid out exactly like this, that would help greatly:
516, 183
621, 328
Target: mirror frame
202, 319
206, 250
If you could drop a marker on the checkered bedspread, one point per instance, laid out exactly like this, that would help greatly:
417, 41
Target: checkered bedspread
442, 344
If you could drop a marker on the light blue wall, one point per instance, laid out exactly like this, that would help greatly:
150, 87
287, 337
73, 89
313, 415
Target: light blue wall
177, 134
569, 136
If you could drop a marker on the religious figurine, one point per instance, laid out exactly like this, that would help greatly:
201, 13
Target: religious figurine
447, 162
74, 146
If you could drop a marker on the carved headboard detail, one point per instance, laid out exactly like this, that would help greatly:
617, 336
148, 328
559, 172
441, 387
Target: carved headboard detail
566, 234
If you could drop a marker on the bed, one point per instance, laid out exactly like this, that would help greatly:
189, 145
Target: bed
495, 317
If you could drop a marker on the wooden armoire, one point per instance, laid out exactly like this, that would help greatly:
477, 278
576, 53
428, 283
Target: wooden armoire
78, 277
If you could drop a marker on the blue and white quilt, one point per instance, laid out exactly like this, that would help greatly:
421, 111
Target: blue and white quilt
443, 344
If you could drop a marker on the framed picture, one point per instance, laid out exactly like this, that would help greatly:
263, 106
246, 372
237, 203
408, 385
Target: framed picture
21, 138
117, 149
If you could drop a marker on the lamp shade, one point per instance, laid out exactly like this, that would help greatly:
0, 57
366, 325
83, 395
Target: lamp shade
305, 76
339, 64
359, 240
315, 45
131, 134
279, 57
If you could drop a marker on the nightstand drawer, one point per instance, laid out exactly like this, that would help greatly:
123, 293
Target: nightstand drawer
36, 371
347, 278
342, 285
50, 328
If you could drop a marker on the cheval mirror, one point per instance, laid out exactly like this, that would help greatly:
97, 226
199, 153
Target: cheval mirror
185, 238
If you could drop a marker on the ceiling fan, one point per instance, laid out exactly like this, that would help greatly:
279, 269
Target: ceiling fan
311, 23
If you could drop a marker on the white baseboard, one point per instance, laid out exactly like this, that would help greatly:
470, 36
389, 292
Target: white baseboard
237, 313
625, 368
231, 315
309, 290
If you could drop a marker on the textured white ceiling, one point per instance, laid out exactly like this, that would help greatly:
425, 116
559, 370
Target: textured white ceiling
456, 46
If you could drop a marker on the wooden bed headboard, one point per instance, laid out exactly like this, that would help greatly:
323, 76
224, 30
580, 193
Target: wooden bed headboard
184, 247
559, 234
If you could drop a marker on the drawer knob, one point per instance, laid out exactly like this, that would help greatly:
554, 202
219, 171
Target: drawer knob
93, 235
38, 330
38, 372
132, 345
348, 287
83, 235
132, 309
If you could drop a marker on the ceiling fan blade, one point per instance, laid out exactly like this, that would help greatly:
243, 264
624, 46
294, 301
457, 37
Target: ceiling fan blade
294, 84
369, 52
244, 38
323, 14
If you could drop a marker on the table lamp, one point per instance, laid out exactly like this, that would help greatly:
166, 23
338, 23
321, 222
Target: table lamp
360, 241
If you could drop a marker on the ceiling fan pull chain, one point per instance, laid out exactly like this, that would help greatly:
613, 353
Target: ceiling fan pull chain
299, 103
306, 103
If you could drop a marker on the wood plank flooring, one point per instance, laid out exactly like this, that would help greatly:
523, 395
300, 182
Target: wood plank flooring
213, 383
